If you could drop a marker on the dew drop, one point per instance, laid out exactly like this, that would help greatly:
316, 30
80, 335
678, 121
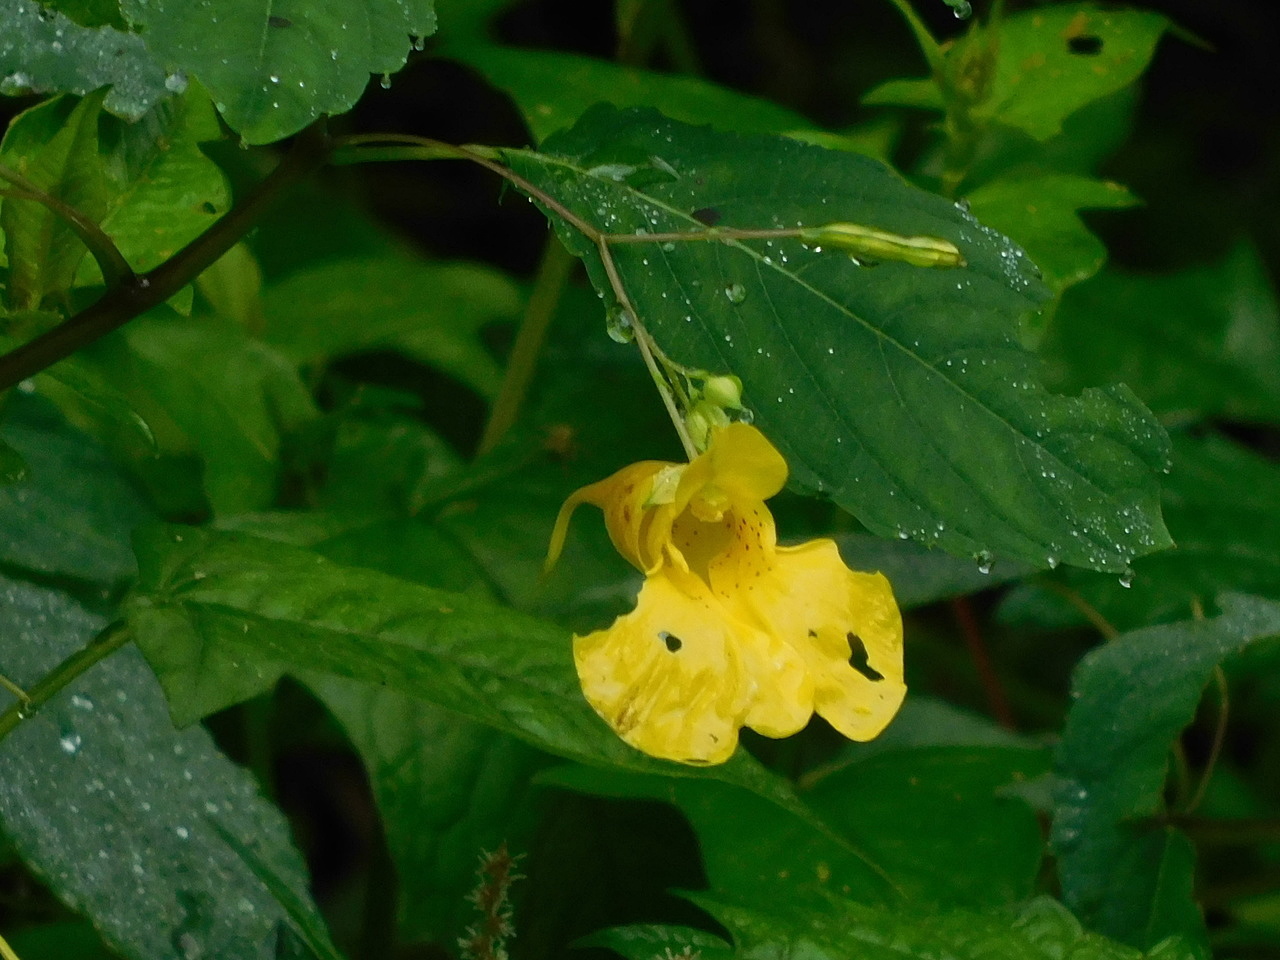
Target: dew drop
735, 293
385, 82
620, 325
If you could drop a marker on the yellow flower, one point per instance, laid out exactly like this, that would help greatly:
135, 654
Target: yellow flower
731, 630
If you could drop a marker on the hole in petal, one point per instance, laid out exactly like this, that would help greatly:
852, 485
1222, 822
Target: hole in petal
673, 642
858, 657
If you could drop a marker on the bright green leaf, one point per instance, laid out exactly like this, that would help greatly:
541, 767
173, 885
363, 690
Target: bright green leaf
1039, 211
1054, 60
273, 68
127, 819
89, 13
162, 191
54, 145
1204, 341
922, 94
45, 51
1131, 698
221, 617
146, 183
432, 312
899, 391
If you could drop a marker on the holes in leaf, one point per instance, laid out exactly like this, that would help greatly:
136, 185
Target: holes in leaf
1085, 45
707, 216
858, 657
673, 642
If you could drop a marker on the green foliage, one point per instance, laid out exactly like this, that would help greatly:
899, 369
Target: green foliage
914, 429
1123, 871
286, 426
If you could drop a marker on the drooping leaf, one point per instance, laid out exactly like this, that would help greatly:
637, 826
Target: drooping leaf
1203, 341
273, 68
1039, 211
221, 617
1125, 873
79, 48
897, 390
72, 513
432, 312
127, 819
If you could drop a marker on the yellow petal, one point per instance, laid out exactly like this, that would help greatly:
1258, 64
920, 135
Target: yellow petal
623, 498
744, 464
833, 616
668, 676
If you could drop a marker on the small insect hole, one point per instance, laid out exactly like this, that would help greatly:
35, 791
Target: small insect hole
673, 642
1085, 45
858, 657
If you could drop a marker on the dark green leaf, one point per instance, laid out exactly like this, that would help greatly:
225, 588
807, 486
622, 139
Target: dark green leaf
89, 13
651, 941
553, 89
1203, 341
47, 51
899, 391
432, 312
222, 616
859, 848
919, 575
1132, 697
73, 513
1222, 502
837, 930
273, 68
448, 789
1054, 60
1039, 211
127, 819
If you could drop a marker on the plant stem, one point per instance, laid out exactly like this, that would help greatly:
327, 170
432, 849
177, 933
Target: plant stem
139, 293
6, 951
115, 268
928, 45
646, 348
47, 687
553, 274
1219, 738
997, 702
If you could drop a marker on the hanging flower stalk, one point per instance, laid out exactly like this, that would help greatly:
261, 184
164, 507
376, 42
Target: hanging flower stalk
731, 630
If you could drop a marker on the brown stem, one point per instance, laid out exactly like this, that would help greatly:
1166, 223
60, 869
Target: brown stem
139, 293
997, 702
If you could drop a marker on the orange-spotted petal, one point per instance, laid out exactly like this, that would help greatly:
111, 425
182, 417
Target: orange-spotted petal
624, 498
